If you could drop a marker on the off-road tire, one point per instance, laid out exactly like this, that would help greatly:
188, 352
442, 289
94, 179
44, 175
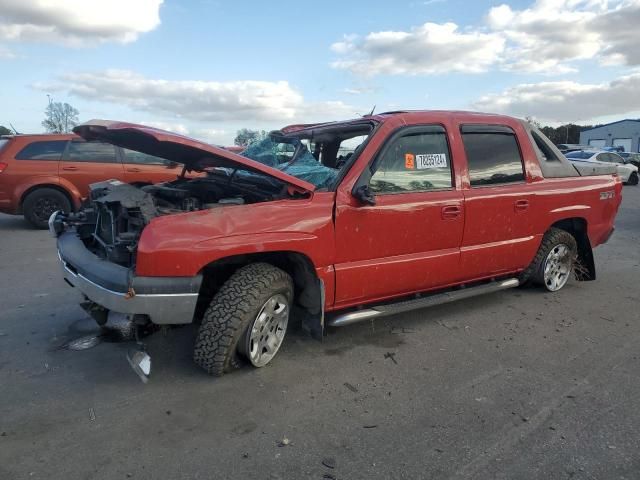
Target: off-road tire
554, 236
232, 310
33, 210
633, 179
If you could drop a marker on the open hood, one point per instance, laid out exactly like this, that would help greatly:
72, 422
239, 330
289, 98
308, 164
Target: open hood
177, 148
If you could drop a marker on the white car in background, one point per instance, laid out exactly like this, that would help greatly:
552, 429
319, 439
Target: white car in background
585, 159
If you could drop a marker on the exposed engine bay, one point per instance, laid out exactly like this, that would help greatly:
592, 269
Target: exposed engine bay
112, 221
115, 214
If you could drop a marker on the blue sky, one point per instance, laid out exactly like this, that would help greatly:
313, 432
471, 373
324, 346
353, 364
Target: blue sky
208, 67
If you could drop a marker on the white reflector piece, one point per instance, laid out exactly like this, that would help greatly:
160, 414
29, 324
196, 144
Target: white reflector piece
141, 364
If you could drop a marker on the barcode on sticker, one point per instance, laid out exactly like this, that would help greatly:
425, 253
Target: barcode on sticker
431, 160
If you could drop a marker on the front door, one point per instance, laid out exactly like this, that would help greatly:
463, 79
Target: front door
84, 163
409, 241
141, 168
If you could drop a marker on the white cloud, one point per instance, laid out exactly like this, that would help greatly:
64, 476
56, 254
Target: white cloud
544, 37
251, 101
211, 135
566, 101
548, 37
77, 22
191, 99
358, 90
429, 49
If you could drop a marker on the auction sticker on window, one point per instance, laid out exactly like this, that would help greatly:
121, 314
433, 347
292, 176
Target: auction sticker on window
431, 160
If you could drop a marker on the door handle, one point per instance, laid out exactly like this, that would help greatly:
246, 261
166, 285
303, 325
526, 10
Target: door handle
451, 212
521, 205
70, 168
133, 170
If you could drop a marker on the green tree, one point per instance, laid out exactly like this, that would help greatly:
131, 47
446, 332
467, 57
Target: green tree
569, 133
533, 121
60, 117
4, 130
246, 136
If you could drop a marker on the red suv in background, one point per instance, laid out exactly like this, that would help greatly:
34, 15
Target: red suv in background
40, 174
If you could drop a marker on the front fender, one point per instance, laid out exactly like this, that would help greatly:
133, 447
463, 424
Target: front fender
191, 261
183, 244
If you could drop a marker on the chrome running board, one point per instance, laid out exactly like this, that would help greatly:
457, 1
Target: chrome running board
354, 316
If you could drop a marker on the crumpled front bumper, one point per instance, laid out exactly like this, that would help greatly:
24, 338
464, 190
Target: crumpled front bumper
166, 300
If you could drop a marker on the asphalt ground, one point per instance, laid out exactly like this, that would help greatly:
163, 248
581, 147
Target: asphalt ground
519, 384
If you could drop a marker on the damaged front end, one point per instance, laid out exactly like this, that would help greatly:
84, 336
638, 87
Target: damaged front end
111, 222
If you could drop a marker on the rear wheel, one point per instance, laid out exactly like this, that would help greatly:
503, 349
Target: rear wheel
41, 203
553, 264
633, 179
246, 320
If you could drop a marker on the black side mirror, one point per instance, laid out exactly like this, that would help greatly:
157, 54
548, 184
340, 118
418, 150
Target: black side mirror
364, 194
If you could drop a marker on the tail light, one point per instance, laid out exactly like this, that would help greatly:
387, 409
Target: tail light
3, 165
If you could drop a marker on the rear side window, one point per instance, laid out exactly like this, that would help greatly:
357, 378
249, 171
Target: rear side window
131, 156
415, 162
96, 152
493, 157
543, 149
48, 150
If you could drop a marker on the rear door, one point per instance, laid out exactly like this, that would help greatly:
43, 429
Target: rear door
144, 168
84, 163
498, 233
409, 241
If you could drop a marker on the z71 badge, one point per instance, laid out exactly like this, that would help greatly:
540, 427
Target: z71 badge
607, 195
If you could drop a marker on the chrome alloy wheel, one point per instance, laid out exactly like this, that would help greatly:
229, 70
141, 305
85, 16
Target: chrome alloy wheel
267, 331
557, 267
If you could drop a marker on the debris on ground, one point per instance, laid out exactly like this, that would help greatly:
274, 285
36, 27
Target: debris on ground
351, 387
392, 356
82, 343
92, 415
399, 330
448, 325
285, 442
370, 426
329, 462
329, 476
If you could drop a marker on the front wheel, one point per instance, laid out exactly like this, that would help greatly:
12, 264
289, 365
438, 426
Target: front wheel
633, 179
553, 264
246, 320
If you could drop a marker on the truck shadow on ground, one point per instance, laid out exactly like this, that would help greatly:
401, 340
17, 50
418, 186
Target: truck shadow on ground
171, 349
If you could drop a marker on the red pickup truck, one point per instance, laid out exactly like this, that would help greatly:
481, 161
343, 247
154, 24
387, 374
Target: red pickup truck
330, 224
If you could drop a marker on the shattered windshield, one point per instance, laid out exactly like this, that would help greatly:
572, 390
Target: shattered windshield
291, 156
